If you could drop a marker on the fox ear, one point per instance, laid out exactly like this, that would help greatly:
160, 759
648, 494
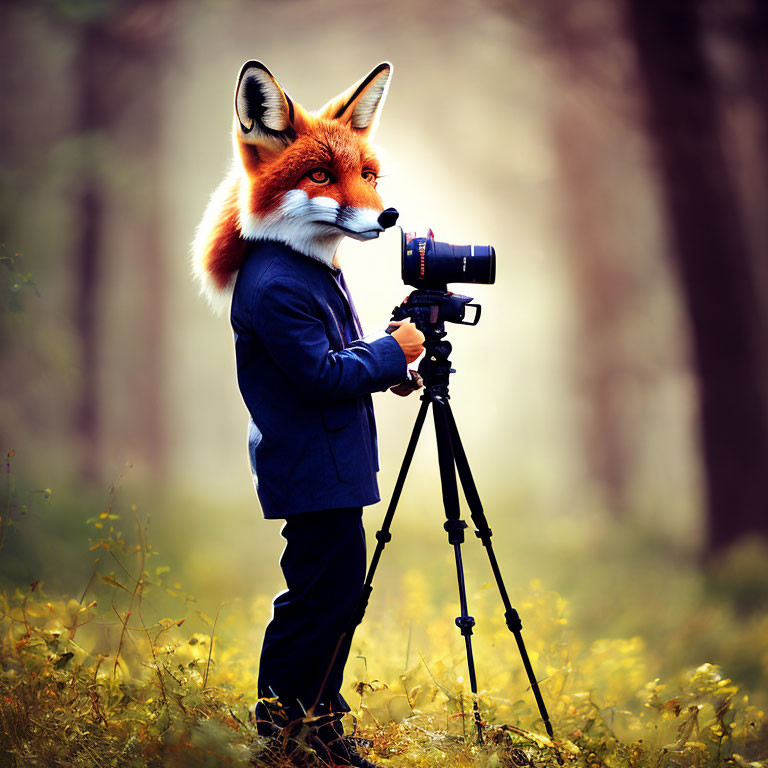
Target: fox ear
361, 104
264, 112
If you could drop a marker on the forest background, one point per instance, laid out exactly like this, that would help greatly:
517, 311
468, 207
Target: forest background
613, 399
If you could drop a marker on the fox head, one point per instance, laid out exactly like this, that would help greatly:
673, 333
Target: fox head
305, 179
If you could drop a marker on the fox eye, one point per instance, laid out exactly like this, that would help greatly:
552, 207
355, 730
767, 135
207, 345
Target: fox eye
370, 177
320, 176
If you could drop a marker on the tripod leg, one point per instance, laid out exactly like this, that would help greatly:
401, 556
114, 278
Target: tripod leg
484, 533
383, 536
455, 526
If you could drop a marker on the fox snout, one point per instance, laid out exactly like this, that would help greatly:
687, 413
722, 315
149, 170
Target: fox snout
364, 223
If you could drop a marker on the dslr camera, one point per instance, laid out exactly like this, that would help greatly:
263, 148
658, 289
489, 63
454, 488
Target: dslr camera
428, 266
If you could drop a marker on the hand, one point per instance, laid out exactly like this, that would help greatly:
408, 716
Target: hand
413, 383
409, 337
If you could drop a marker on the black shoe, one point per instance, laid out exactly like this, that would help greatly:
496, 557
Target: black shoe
355, 758
285, 743
269, 717
335, 749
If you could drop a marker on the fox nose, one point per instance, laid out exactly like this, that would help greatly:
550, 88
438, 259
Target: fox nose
388, 218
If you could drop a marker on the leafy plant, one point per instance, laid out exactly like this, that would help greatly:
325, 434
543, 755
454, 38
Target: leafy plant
98, 680
16, 280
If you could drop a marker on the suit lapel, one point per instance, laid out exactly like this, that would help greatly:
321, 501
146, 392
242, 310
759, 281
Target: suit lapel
351, 304
340, 286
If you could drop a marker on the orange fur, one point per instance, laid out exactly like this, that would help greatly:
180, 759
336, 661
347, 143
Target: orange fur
322, 143
226, 248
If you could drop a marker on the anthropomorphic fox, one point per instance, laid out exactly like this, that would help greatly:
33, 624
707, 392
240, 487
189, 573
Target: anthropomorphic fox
299, 184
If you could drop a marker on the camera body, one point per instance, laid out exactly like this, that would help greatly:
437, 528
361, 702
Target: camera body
430, 309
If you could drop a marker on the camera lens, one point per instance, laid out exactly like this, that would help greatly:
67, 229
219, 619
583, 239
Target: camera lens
429, 263
463, 263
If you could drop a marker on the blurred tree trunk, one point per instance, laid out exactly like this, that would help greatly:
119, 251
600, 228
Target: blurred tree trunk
92, 118
600, 282
118, 68
713, 264
738, 48
755, 37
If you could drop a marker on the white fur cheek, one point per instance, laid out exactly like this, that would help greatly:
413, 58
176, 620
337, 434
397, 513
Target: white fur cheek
300, 222
252, 226
323, 209
361, 219
361, 223
294, 203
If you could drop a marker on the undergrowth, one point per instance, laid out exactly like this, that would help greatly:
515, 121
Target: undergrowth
98, 679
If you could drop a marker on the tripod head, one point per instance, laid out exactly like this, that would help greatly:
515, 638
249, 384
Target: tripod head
430, 309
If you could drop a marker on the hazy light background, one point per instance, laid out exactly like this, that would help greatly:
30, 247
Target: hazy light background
469, 147
468, 151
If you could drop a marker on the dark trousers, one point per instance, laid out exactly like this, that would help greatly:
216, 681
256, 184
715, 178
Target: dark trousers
324, 567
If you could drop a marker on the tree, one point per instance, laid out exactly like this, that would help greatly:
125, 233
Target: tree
712, 261
600, 279
122, 46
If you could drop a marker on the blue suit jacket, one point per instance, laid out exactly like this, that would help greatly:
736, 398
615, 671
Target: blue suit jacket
306, 377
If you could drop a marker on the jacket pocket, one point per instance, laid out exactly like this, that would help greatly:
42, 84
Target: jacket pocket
338, 415
338, 420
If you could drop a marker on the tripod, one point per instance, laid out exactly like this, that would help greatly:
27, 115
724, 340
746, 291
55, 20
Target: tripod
435, 370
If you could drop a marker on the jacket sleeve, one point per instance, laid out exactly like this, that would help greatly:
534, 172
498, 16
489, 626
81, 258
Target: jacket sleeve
296, 340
